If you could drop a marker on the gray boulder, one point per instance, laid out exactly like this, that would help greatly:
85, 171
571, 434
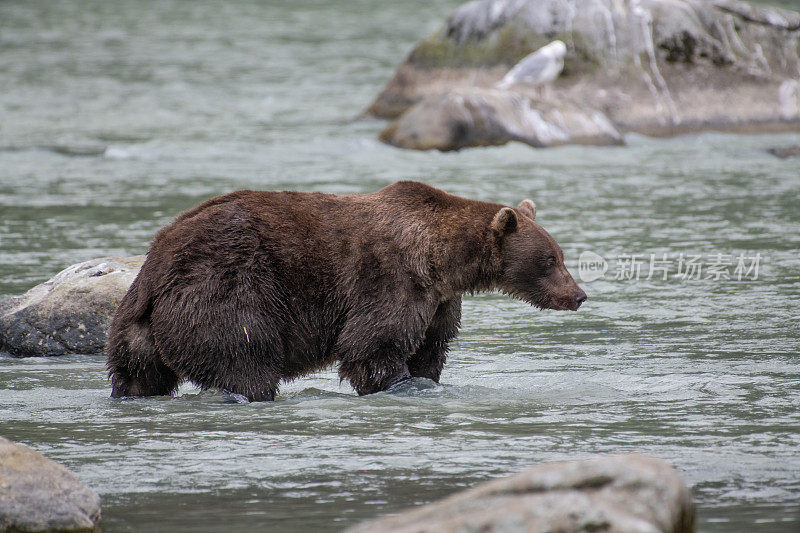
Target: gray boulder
658, 67
37, 494
69, 313
622, 493
785, 152
488, 117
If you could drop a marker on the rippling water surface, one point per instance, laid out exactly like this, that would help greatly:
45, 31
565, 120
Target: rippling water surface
114, 117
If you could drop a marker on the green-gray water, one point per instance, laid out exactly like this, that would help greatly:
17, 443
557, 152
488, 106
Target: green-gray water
175, 102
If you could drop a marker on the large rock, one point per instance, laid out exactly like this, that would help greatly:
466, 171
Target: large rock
488, 117
69, 313
622, 493
658, 67
37, 494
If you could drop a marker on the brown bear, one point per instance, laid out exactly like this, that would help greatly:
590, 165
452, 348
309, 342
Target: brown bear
256, 287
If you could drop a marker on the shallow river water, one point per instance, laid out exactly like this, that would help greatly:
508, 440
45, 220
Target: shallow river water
116, 116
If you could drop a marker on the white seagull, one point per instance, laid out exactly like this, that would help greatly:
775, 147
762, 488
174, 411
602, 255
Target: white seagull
538, 68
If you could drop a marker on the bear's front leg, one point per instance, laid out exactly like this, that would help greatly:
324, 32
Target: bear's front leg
369, 376
429, 359
373, 348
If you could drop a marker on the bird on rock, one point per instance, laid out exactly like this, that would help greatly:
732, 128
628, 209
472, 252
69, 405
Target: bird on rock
538, 68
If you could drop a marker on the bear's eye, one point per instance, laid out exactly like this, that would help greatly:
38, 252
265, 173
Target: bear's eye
550, 262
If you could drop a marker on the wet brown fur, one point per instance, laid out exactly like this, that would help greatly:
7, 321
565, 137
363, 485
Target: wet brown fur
256, 287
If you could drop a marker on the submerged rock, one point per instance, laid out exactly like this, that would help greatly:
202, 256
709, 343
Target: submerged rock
37, 494
657, 67
785, 152
77, 150
69, 313
624, 493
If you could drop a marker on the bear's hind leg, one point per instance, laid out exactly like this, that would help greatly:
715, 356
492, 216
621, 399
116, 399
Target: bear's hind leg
228, 342
151, 380
135, 367
238, 373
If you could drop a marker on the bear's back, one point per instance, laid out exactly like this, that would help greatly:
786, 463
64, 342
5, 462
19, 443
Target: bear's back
404, 227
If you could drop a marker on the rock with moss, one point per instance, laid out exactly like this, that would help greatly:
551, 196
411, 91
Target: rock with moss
657, 67
69, 313
37, 494
605, 493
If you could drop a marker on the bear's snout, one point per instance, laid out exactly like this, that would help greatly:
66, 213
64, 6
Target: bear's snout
580, 297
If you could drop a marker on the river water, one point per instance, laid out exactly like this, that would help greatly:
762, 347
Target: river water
116, 116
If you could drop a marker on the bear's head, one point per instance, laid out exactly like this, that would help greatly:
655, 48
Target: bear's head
532, 262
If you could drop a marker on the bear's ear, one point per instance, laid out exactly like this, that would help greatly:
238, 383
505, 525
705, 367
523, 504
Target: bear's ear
505, 221
527, 208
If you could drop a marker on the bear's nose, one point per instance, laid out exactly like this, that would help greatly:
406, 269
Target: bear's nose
580, 297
